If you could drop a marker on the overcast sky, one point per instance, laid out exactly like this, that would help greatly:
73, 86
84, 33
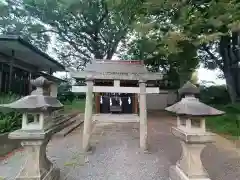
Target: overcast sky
209, 75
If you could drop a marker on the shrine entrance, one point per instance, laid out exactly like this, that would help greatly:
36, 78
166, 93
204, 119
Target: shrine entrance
116, 86
120, 103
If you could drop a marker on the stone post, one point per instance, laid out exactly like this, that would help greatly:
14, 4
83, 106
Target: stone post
88, 115
143, 116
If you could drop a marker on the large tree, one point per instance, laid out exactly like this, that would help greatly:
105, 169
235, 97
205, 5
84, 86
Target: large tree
81, 29
15, 20
155, 40
212, 26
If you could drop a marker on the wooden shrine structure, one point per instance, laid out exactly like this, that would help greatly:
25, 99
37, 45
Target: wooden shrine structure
20, 62
119, 87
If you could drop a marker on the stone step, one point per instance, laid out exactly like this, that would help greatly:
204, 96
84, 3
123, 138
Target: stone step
116, 118
74, 123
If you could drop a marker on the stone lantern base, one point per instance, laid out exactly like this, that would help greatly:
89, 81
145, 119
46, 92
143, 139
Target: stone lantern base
190, 167
36, 166
175, 173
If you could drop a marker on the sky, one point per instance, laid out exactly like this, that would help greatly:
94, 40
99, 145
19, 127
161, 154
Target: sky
210, 75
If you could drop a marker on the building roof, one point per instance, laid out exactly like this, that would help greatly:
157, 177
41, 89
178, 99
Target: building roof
28, 53
122, 70
50, 77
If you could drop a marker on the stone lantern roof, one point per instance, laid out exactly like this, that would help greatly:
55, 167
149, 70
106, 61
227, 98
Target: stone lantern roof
38, 101
193, 107
188, 89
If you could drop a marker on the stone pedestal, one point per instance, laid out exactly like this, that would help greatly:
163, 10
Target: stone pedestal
36, 166
88, 116
190, 167
143, 116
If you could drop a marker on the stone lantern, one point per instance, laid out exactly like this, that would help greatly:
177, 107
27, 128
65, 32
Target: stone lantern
192, 133
35, 135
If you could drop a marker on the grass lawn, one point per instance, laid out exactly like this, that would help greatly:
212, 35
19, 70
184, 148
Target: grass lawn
228, 123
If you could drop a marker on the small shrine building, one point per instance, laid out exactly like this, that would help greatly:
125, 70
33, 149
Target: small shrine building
118, 87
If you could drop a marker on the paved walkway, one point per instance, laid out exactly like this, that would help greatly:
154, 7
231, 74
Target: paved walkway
117, 156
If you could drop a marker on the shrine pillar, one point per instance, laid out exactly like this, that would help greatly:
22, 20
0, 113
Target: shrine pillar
143, 115
88, 115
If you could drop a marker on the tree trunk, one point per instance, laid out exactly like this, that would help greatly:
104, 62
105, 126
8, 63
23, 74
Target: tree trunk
230, 86
232, 81
230, 68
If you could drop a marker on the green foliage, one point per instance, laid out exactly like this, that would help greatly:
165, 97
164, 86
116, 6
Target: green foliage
81, 29
214, 95
84, 29
229, 123
163, 45
75, 105
64, 91
200, 22
169, 53
10, 120
14, 19
67, 96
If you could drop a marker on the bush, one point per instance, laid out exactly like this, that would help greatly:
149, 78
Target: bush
66, 96
214, 95
9, 121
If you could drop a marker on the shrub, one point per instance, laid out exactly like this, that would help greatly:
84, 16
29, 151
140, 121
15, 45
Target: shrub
214, 95
65, 93
66, 96
11, 120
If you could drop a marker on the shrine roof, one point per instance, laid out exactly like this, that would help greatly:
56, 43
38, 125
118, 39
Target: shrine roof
121, 69
116, 67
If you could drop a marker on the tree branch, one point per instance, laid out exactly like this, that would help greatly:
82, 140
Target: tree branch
213, 57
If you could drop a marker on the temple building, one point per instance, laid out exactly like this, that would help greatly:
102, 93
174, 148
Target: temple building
20, 61
118, 87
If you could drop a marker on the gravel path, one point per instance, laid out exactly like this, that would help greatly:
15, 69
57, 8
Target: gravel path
117, 156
